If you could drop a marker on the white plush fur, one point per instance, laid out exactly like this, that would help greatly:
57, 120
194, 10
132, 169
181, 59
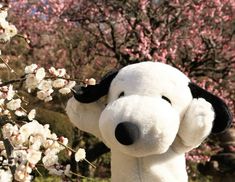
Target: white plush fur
167, 130
85, 116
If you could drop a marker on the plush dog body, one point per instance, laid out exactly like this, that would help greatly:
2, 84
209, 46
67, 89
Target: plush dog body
152, 115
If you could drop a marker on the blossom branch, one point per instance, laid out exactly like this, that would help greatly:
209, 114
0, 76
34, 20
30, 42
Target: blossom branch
8, 146
74, 151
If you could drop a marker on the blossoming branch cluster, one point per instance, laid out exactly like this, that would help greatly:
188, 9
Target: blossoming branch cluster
7, 30
36, 79
33, 144
24, 147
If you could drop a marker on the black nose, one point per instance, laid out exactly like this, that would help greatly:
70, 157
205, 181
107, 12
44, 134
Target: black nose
127, 133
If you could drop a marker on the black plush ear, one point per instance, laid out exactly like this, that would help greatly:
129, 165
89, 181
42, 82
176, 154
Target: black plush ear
223, 117
92, 93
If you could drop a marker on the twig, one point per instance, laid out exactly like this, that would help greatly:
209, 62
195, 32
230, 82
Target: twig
9, 148
8, 66
81, 176
72, 150
12, 81
40, 174
23, 78
23, 37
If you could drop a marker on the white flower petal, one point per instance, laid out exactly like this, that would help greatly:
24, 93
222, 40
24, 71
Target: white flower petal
65, 90
14, 104
33, 156
59, 83
40, 74
30, 69
45, 85
80, 155
32, 114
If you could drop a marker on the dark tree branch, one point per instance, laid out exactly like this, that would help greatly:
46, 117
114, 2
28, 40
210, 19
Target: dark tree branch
8, 146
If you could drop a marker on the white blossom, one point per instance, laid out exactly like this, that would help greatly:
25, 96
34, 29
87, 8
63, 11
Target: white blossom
5, 175
30, 69
40, 74
42, 94
10, 92
20, 113
90, 81
61, 72
20, 155
58, 83
48, 133
14, 104
2, 101
50, 159
32, 128
4, 153
47, 143
32, 114
48, 99
2, 65
64, 140
3, 15
17, 140
80, 155
67, 170
45, 95
31, 81
8, 130
2, 147
54, 148
11, 31
57, 72
65, 90
36, 142
6, 112
33, 156
53, 71
4, 24
22, 173
45, 85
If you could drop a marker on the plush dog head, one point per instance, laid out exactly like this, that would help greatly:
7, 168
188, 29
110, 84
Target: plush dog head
145, 106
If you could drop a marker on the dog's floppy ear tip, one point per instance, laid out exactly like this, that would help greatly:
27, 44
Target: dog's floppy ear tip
222, 125
221, 129
92, 93
223, 116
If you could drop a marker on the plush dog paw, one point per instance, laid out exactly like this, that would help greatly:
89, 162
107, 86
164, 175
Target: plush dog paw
197, 122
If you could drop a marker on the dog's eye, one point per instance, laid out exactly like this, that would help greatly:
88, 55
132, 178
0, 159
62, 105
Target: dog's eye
121, 94
166, 99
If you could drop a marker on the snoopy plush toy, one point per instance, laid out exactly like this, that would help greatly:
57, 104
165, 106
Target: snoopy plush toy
151, 116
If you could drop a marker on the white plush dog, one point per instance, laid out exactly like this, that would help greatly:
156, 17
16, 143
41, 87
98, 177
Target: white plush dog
153, 115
